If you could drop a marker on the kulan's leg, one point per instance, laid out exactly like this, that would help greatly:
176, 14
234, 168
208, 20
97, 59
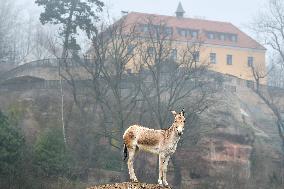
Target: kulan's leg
131, 153
161, 162
165, 169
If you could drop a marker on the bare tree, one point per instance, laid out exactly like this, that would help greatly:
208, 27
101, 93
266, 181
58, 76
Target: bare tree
259, 74
10, 27
114, 88
16, 33
5, 12
45, 43
269, 26
170, 73
129, 72
171, 76
276, 76
269, 95
111, 92
270, 100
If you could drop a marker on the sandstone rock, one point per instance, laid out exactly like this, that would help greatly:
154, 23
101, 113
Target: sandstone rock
129, 185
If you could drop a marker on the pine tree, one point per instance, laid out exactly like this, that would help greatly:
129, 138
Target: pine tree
70, 15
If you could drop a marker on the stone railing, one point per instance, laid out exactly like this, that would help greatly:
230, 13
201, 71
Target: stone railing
229, 83
39, 63
38, 84
44, 63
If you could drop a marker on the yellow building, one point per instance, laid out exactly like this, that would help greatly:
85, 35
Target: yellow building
226, 48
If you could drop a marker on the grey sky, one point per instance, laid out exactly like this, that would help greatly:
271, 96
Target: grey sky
238, 12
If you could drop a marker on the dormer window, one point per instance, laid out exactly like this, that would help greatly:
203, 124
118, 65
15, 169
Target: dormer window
210, 35
143, 28
155, 29
187, 32
234, 38
168, 30
221, 36
194, 34
182, 33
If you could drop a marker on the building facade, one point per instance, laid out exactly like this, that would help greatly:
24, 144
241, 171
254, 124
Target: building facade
224, 47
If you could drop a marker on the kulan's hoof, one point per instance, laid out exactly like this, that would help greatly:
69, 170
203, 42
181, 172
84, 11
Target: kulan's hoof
134, 180
166, 185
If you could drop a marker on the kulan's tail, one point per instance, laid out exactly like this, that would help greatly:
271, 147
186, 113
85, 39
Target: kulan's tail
125, 151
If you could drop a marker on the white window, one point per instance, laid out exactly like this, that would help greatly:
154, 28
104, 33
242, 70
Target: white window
196, 56
250, 61
168, 31
173, 55
130, 49
151, 51
210, 35
145, 28
229, 59
194, 33
234, 38
213, 58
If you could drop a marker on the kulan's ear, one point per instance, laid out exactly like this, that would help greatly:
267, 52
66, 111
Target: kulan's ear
182, 112
174, 113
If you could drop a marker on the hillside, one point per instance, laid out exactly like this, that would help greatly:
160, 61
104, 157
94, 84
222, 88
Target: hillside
233, 144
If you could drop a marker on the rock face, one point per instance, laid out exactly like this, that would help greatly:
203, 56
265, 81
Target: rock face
129, 185
234, 144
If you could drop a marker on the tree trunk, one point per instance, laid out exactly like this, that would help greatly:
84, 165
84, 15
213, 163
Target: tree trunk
64, 58
62, 110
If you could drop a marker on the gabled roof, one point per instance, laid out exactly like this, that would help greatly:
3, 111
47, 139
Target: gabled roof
203, 26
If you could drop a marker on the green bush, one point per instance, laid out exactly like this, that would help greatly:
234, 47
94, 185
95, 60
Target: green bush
51, 155
11, 147
113, 161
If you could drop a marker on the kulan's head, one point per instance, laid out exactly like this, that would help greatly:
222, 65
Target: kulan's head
179, 121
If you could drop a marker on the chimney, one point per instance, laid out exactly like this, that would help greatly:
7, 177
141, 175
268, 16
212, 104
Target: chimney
179, 11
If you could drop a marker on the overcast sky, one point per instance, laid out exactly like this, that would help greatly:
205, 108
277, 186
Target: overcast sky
238, 12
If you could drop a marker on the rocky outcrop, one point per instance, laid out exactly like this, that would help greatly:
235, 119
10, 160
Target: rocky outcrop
129, 185
234, 144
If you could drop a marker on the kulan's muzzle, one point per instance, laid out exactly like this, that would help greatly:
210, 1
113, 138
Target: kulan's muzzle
180, 133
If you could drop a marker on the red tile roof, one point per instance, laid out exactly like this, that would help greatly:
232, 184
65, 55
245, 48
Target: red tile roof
243, 40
